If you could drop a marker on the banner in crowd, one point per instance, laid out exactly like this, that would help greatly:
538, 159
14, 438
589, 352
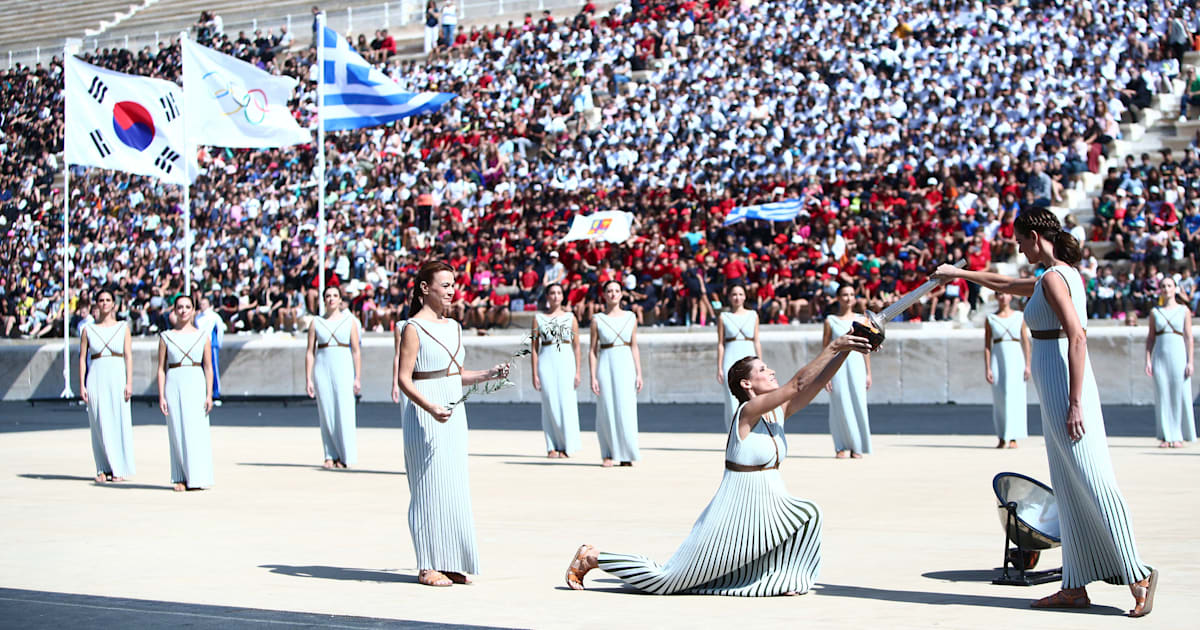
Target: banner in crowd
356, 94
613, 226
777, 211
125, 123
231, 103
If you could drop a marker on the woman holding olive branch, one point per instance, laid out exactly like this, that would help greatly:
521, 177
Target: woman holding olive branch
432, 377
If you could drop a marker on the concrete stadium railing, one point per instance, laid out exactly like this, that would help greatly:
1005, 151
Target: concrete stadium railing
365, 18
913, 366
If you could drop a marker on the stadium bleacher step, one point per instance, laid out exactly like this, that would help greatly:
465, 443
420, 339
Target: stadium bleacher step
1091, 181
1133, 131
1100, 248
1177, 143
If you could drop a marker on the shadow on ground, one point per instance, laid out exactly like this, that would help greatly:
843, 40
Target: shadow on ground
340, 573
948, 599
968, 575
118, 485
339, 471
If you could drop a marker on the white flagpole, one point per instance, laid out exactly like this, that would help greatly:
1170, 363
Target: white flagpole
66, 263
187, 188
321, 163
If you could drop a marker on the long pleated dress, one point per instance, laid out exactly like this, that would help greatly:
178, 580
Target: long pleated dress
333, 378
1097, 535
753, 539
1175, 419
616, 409
187, 422
739, 344
435, 455
1009, 405
848, 420
556, 371
109, 414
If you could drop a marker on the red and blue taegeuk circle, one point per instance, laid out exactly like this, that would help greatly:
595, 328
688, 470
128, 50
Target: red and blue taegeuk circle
133, 124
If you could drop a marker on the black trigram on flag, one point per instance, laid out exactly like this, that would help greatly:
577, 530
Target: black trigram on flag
169, 108
98, 141
98, 90
166, 160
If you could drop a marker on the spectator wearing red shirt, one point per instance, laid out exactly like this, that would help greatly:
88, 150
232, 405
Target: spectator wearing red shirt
979, 257
909, 281
735, 270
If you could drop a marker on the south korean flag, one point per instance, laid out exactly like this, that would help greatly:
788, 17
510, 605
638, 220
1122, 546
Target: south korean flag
125, 123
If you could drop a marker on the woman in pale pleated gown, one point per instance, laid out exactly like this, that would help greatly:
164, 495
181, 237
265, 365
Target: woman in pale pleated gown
849, 423
1006, 362
432, 377
555, 360
333, 371
185, 397
105, 385
616, 370
737, 338
1096, 528
1169, 361
753, 539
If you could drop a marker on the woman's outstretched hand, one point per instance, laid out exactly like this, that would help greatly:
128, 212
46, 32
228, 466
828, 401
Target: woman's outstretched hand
850, 342
945, 273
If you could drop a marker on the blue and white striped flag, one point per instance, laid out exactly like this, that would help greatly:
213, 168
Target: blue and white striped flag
356, 94
777, 211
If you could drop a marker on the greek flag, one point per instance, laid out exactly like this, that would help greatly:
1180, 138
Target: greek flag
357, 94
778, 211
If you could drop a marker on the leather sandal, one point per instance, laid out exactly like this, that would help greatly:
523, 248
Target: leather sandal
431, 577
1062, 600
458, 578
578, 568
1145, 603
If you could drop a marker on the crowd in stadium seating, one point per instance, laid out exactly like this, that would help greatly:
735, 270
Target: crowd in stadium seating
913, 131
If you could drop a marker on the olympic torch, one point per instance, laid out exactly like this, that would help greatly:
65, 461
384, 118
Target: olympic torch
872, 330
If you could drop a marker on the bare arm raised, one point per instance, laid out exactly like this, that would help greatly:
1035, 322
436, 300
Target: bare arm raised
799, 390
994, 281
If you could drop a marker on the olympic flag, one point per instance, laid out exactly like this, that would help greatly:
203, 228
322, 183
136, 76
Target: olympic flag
230, 103
125, 123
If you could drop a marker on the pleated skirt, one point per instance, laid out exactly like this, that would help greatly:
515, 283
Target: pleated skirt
849, 423
110, 417
333, 378
1097, 529
616, 406
560, 403
1174, 416
435, 460
753, 540
1010, 411
187, 428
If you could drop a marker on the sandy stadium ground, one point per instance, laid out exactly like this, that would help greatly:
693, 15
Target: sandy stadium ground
911, 535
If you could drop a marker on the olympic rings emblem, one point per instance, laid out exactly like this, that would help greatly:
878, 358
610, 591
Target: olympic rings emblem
251, 104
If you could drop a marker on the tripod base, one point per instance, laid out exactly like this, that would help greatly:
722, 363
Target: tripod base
1020, 559
1028, 578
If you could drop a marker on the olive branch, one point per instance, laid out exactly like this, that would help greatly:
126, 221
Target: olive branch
555, 333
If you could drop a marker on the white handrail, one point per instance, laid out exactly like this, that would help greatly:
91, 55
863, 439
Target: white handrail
349, 21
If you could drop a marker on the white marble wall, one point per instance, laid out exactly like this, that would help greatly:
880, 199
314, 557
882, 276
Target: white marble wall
913, 366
